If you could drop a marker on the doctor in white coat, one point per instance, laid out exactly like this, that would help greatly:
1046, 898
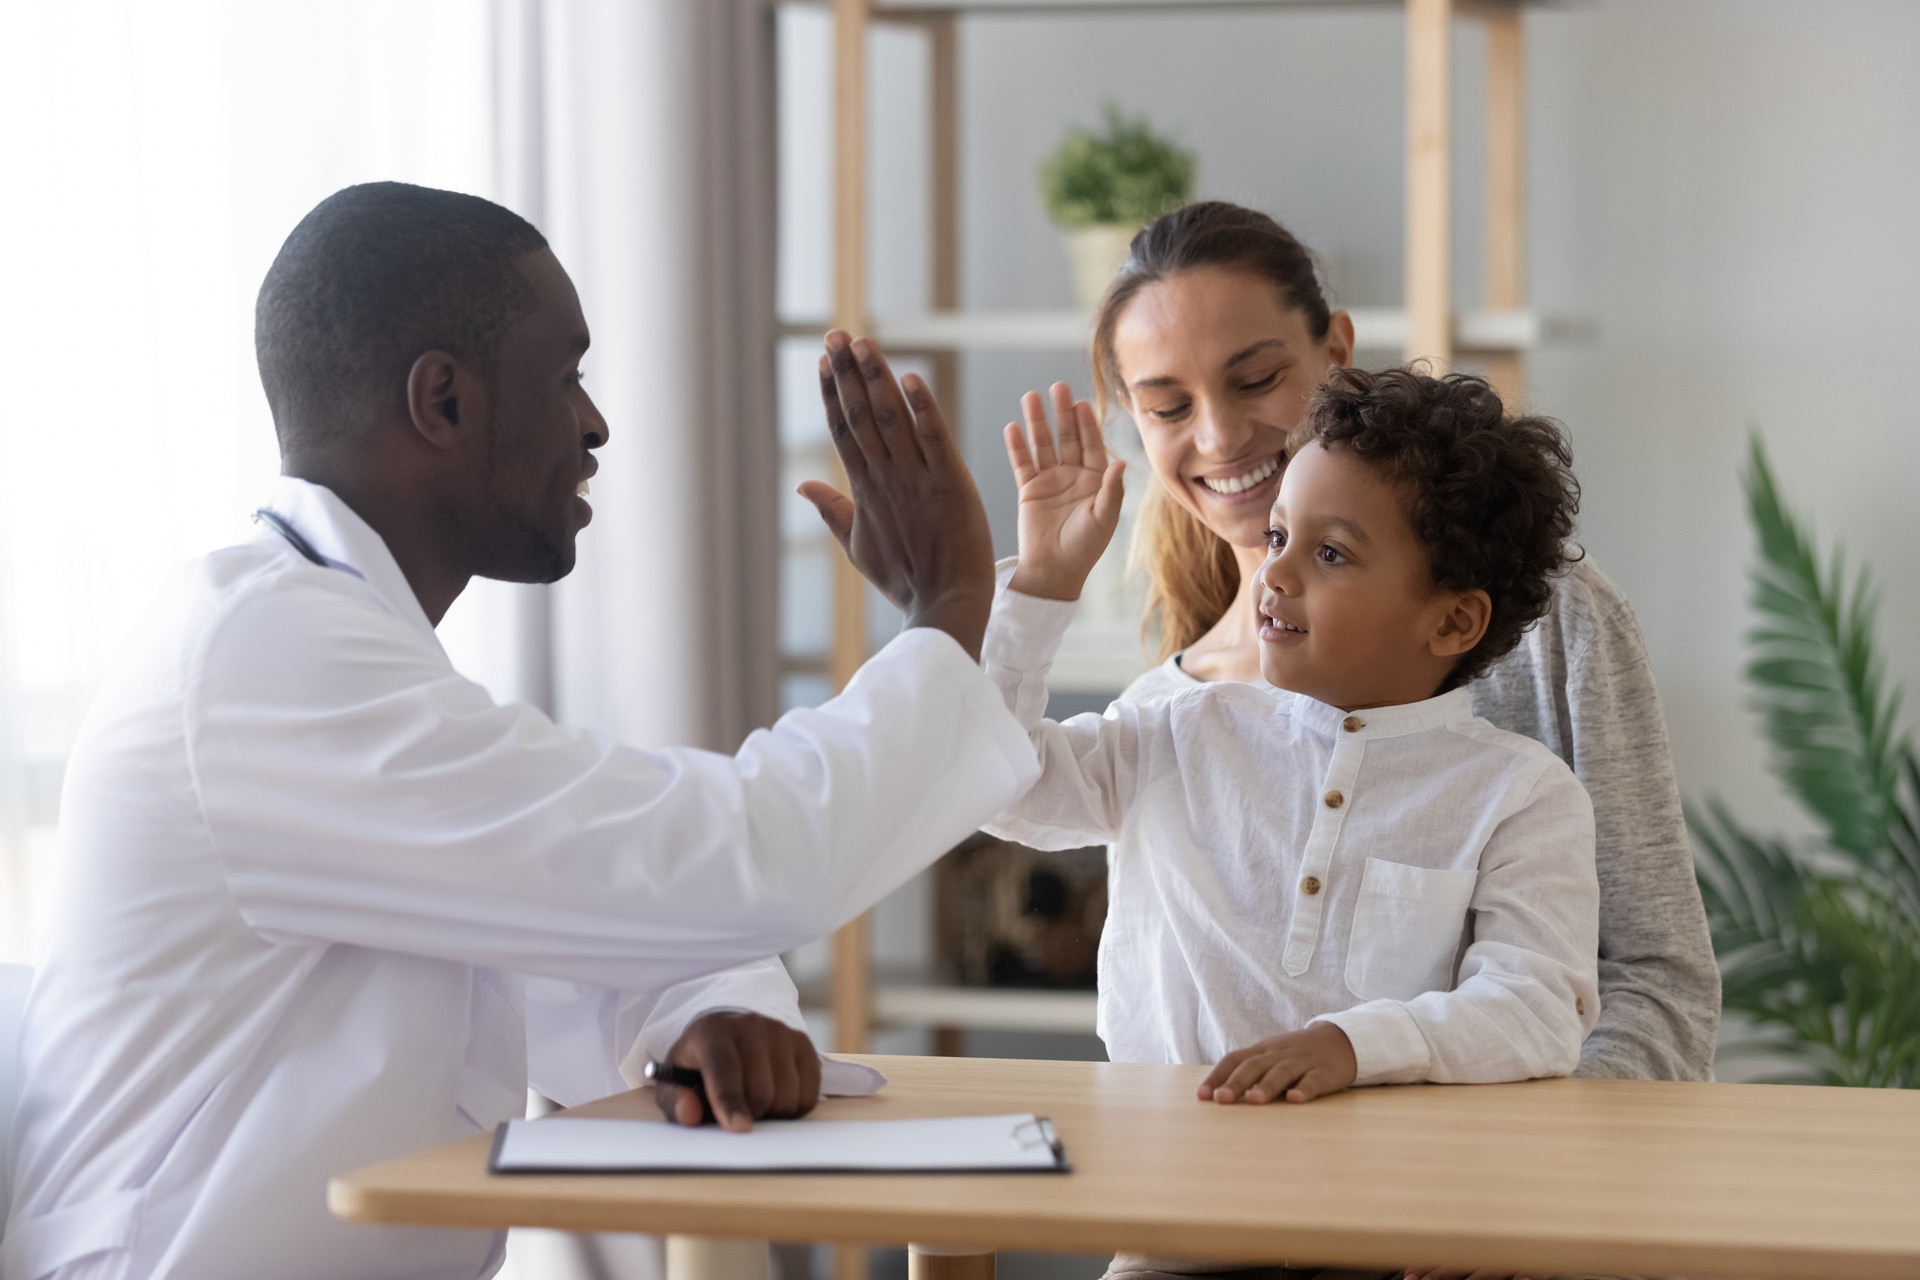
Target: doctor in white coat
323, 901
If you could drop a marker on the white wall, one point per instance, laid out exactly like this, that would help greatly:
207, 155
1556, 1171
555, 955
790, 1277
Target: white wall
1727, 191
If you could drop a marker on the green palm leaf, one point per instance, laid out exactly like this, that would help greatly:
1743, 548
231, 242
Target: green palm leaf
1817, 679
1820, 948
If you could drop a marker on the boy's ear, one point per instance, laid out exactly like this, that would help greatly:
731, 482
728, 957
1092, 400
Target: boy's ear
1462, 625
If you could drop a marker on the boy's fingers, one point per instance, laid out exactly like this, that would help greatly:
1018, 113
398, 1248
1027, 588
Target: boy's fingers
1251, 1072
1018, 455
1221, 1070
1318, 1082
1034, 410
1063, 413
835, 508
1274, 1084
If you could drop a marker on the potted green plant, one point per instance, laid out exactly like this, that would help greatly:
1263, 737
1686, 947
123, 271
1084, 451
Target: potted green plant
1101, 186
1819, 941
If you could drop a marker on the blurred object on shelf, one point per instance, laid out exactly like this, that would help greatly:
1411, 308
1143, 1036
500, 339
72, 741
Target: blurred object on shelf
1100, 188
1010, 916
1097, 254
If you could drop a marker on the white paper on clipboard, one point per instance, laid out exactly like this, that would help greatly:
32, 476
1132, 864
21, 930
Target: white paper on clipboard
1022, 1143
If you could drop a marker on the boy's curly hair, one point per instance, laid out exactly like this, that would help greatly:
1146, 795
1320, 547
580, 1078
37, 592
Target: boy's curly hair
1492, 497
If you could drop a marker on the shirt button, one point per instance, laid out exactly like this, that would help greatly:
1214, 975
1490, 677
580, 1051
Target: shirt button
1580, 1005
1335, 799
1310, 886
1353, 724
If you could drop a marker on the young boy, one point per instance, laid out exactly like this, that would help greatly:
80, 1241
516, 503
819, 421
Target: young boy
1344, 878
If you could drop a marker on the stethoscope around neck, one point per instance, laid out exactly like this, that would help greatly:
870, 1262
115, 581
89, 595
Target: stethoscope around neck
276, 522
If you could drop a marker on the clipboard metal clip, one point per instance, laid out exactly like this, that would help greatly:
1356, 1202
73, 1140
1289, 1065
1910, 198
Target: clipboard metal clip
1037, 1132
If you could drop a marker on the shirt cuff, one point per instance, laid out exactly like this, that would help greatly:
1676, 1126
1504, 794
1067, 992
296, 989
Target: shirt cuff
1025, 631
941, 654
1388, 1047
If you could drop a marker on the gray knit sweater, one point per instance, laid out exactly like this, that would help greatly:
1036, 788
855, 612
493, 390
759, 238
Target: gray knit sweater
1580, 682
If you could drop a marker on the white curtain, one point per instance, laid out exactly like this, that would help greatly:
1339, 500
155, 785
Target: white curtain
640, 138
659, 197
155, 156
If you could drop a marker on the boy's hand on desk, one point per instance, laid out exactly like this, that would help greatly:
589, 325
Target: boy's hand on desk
1069, 495
1299, 1066
754, 1068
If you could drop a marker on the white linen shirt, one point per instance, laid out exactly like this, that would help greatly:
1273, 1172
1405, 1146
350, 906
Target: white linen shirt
1411, 874
319, 896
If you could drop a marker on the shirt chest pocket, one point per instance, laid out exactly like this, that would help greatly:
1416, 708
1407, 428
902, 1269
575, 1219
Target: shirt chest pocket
1407, 927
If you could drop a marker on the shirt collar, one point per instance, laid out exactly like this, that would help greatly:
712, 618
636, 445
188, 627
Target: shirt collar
346, 542
1381, 722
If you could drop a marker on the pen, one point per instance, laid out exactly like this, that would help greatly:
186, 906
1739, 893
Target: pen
685, 1077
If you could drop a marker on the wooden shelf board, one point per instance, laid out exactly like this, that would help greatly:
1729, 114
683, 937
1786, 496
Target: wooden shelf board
1375, 329
883, 9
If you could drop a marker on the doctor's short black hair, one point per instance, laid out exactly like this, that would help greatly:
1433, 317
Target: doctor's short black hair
372, 278
1492, 497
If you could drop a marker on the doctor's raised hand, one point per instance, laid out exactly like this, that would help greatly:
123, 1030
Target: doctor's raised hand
914, 524
1070, 493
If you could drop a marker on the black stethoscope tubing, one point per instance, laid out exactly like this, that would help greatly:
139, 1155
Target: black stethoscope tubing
273, 520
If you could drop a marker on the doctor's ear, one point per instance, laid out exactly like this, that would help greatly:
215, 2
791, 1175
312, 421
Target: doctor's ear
443, 399
1462, 624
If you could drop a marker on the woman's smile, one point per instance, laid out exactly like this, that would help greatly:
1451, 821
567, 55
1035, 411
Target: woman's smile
1245, 483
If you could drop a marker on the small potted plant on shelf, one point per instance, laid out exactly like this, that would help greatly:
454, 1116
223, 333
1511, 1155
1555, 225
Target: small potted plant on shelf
1100, 187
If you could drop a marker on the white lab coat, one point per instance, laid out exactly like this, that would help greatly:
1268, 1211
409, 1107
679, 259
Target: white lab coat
323, 902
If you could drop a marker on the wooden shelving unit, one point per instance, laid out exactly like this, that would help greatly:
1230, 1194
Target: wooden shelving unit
1511, 331
1498, 336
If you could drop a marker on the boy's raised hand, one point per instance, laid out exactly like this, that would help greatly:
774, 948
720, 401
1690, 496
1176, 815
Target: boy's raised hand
1069, 494
1299, 1066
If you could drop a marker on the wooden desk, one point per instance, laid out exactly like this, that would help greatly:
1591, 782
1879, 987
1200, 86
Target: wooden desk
1613, 1177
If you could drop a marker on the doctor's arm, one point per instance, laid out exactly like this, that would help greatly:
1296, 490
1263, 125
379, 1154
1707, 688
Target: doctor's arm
356, 789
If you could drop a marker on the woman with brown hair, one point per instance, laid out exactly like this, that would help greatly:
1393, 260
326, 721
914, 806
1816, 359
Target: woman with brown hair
1213, 338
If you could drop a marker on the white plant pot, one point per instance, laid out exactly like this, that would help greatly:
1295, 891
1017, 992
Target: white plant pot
1098, 252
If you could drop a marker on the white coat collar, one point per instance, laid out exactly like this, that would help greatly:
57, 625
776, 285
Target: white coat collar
346, 542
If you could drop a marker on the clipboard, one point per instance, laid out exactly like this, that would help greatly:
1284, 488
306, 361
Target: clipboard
1021, 1143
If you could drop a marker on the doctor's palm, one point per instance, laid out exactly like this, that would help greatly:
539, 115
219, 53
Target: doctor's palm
914, 525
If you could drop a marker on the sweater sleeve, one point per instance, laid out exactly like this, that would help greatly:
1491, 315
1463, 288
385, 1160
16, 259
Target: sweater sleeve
1659, 984
1581, 683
